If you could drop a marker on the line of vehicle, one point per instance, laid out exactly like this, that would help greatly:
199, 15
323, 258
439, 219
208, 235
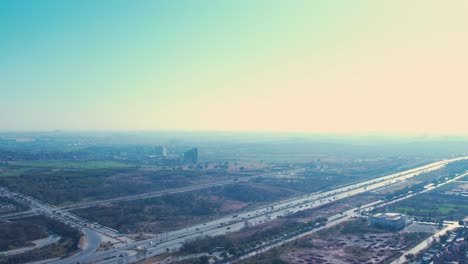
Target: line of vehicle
234, 222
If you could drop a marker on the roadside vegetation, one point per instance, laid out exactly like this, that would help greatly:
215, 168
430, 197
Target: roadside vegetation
324, 175
73, 183
19, 233
448, 171
13, 205
253, 238
23, 231
174, 211
62, 186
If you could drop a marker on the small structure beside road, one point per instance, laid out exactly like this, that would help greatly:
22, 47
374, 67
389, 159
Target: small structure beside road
393, 221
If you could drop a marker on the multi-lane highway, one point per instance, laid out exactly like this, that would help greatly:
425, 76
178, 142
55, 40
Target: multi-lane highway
173, 240
93, 232
96, 233
348, 215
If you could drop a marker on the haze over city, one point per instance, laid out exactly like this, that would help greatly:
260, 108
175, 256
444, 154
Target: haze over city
233, 131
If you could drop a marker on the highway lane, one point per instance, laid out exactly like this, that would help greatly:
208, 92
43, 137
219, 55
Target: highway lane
94, 233
275, 210
93, 241
173, 240
38, 243
332, 221
17, 215
347, 215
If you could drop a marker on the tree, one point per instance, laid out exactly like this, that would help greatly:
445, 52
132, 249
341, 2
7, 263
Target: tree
203, 260
409, 257
232, 250
443, 238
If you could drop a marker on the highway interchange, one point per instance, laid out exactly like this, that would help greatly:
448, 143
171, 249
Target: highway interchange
128, 251
172, 241
95, 233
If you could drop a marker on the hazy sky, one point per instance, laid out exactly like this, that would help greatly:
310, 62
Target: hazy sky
318, 66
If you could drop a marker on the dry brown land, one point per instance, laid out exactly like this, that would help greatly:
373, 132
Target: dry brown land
350, 242
341, 249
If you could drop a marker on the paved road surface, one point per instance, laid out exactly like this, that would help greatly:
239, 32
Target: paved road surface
173, 240
426, 243
341, 217
37, 244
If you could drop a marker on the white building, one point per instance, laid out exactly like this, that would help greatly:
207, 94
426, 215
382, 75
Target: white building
389, 220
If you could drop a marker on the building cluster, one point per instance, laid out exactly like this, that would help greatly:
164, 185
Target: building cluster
393, 221
162, 157
455, 252
452, 250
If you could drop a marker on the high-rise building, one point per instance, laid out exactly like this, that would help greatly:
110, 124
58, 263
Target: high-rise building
160, 150
191, 156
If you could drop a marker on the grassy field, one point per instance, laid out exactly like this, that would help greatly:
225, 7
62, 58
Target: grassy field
434, 205
443, 209
29, 167
9, 171
72, 164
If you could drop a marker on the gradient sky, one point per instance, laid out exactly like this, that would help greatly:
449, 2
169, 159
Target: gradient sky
311, 66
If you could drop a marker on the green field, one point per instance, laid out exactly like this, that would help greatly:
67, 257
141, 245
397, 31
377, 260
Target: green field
20, 168
72, 164
8, 171
445, 209
434, 205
